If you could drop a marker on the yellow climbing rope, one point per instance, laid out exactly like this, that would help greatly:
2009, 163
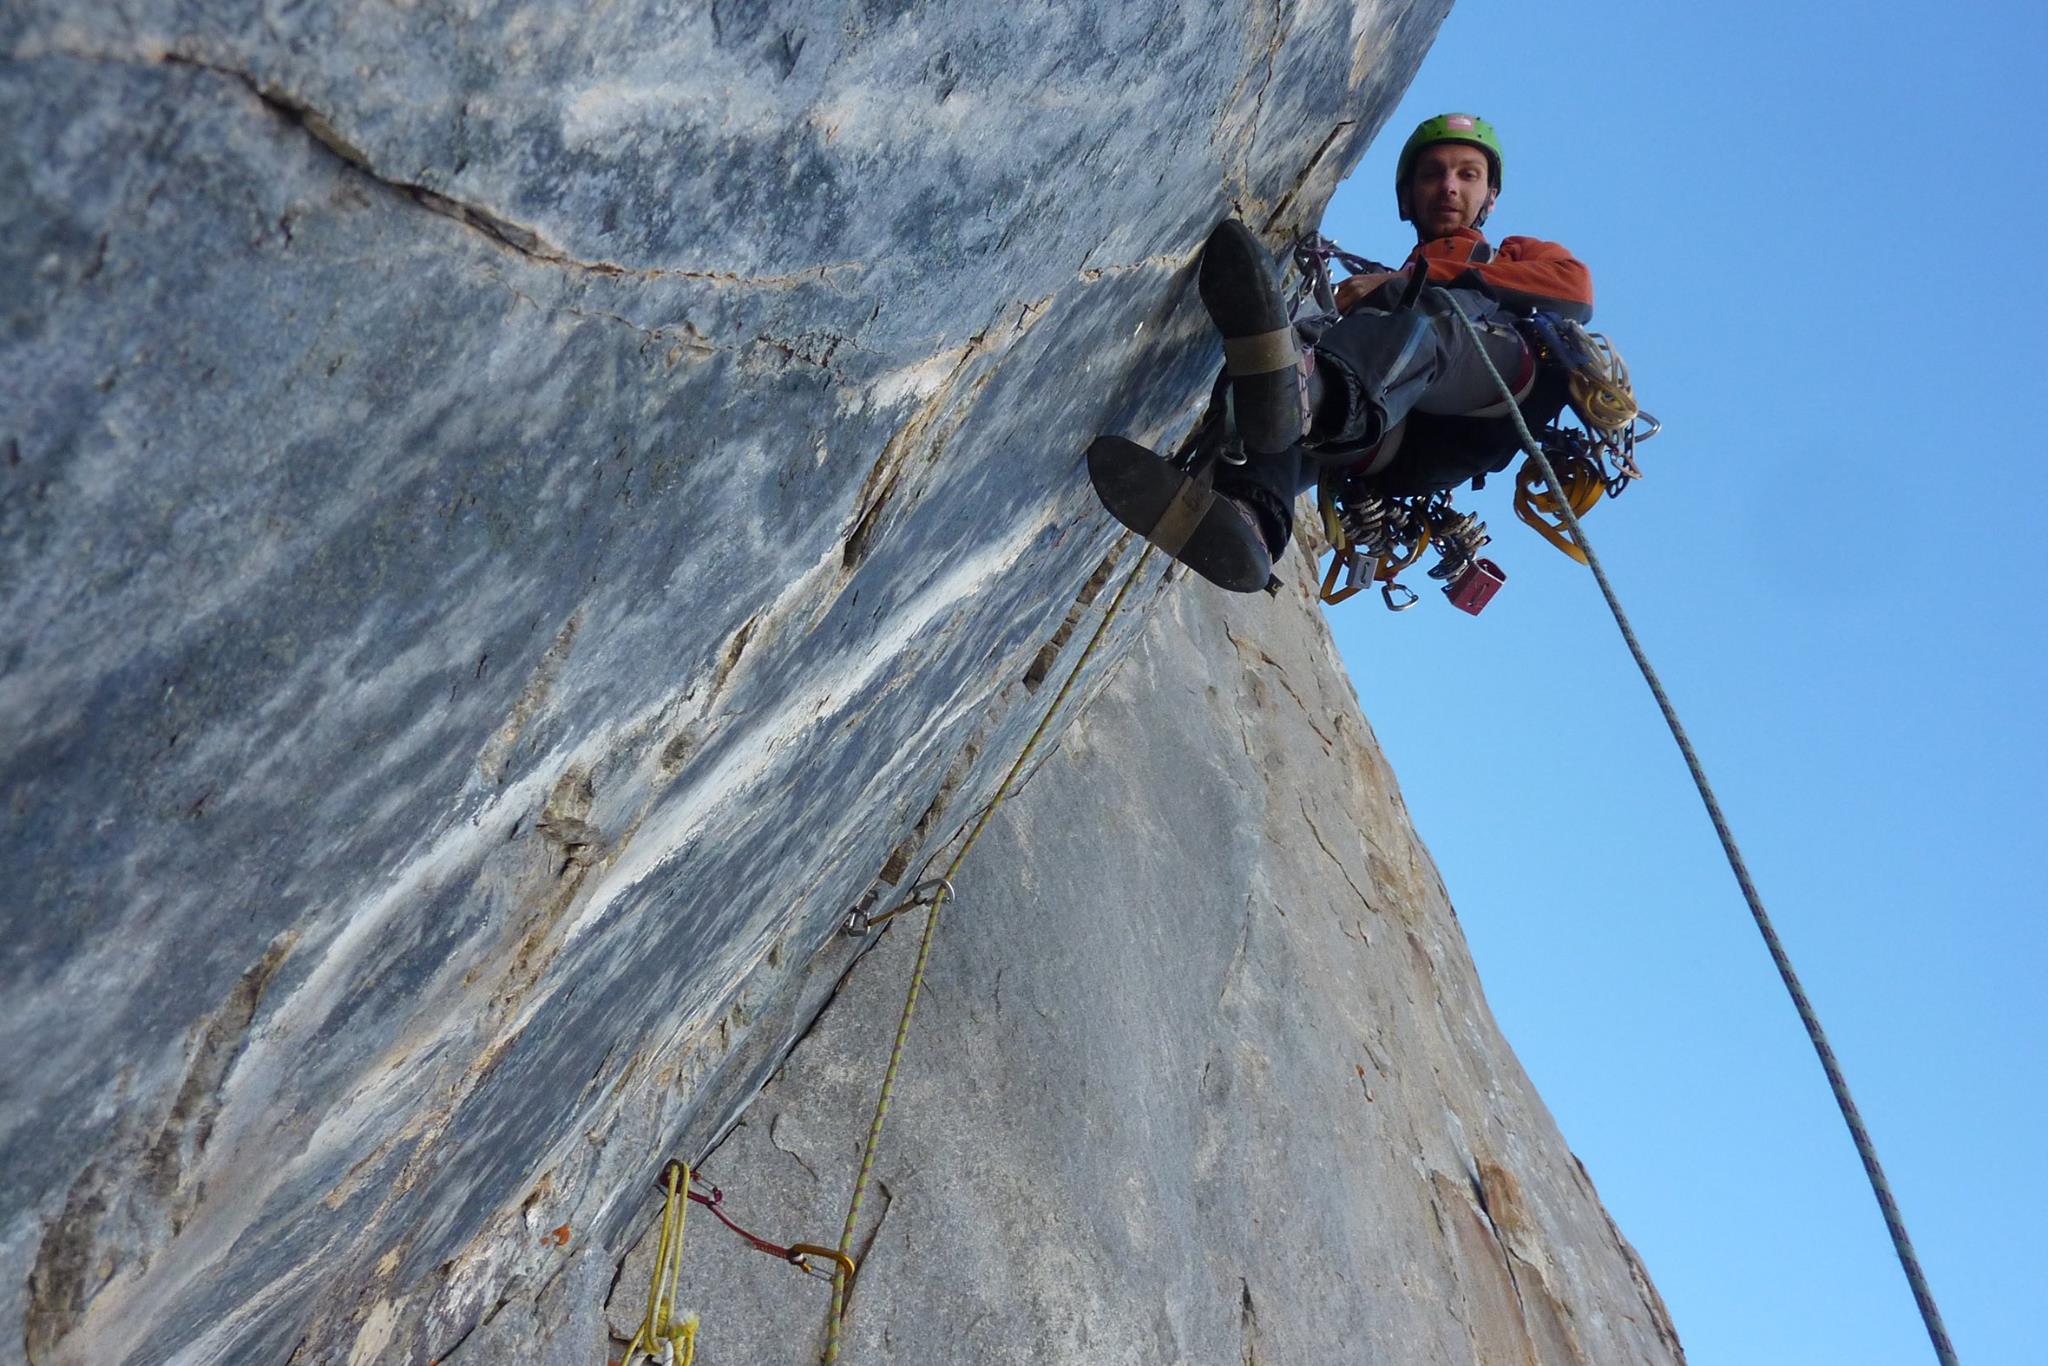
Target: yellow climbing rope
662, 1339
834, 1326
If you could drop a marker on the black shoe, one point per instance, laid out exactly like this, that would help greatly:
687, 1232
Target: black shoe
1211, 533
1261, 352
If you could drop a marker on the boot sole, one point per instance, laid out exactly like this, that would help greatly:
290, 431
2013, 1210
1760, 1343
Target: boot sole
1137, 485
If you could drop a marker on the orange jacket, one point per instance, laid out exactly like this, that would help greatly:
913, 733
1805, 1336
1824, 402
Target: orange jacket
1524, 272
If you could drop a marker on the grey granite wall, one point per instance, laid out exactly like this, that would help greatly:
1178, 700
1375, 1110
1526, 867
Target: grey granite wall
511, 517
1202, 1073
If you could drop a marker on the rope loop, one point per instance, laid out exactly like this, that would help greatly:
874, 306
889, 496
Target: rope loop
662, 1338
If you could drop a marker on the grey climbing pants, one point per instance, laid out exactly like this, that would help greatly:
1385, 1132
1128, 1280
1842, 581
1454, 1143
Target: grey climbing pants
1375, 368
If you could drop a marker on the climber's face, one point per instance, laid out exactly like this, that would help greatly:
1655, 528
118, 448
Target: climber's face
1448, 189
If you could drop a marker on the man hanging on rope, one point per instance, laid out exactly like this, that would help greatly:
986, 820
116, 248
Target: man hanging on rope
1393, 392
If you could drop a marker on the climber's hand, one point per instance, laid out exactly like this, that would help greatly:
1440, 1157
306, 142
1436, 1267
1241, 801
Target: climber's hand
1357, 287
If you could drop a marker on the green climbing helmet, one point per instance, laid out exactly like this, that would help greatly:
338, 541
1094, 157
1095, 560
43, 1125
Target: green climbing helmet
1469, 129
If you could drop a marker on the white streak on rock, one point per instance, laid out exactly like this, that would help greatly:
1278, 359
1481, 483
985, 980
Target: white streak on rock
805, 709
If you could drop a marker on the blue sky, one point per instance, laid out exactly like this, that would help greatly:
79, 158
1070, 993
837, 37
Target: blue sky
1813, 235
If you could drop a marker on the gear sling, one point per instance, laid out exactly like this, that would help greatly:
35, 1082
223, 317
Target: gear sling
1385, 502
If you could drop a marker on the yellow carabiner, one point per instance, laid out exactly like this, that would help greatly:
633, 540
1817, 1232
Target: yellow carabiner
800, 1255
1582, 487
1333, 525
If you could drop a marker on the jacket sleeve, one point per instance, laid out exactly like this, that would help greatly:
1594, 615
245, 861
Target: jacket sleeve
1526, 273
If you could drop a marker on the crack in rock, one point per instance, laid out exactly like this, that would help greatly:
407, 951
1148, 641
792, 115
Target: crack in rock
495, 227
775, 1141
1286, 201
685, 336
130, 1202
1164, 261
931, 426
1323, 845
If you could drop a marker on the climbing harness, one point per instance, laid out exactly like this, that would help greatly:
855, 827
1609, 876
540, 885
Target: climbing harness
1895, 1224
842, 1281
1375, 537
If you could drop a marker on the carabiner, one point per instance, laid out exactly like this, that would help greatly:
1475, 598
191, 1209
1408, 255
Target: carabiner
1390, 587
856, 923
927, 893
800, 1255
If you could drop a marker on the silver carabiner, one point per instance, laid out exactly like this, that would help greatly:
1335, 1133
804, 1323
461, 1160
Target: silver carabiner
856, 922
1387, 591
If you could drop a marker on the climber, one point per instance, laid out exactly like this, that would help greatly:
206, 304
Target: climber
1392, 391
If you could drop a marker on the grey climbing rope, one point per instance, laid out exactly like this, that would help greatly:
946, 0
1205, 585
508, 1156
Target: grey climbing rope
1930, 1314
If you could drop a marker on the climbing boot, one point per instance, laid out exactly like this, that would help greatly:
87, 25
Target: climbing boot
1260, 351
1214, 534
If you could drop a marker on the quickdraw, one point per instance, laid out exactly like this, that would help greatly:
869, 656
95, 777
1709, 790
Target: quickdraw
1313, 253
669, 1338
860, 920
1375, 537
805, 1257
1579, 467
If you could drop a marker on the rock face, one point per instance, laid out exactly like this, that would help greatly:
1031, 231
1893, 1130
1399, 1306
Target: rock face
1201, 1073
511, 518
